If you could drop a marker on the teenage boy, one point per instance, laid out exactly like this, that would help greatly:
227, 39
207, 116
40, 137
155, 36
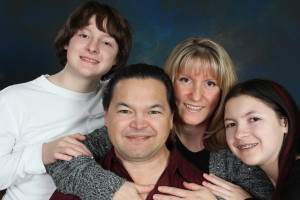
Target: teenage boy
95, 39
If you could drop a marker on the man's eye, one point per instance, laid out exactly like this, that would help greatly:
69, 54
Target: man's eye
124, 111
154, 112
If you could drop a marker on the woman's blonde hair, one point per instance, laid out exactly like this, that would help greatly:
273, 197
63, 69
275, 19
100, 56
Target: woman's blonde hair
214, 59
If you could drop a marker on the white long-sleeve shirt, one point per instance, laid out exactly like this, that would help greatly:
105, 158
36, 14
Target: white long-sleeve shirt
31, 114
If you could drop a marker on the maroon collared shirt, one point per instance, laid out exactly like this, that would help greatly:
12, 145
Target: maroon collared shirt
178, 170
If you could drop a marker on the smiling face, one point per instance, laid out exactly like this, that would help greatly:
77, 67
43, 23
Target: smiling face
138, 119
91, 53
254, 132
197, 95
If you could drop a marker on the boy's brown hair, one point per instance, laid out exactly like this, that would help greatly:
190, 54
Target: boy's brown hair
116, 26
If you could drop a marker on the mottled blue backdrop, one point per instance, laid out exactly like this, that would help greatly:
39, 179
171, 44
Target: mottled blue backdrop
262, 37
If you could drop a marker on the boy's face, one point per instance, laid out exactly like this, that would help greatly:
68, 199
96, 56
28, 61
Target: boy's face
91, 53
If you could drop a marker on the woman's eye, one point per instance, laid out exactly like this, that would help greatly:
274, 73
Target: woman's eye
211, 83
186, 80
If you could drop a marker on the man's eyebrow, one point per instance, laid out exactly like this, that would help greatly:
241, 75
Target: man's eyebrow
150, 107
122, 104
157, 106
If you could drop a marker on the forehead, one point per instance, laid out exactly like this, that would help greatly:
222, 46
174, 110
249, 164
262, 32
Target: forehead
243, 104
100, 24
142, 91
197, 66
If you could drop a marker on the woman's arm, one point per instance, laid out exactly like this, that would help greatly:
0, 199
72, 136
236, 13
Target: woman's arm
83, 176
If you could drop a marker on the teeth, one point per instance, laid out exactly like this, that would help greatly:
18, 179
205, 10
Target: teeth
140, 137
94, 61
194, 107
247, 146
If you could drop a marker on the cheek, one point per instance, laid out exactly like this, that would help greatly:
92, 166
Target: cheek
230, 142
179, 93
229, 137
112, 54
214, 98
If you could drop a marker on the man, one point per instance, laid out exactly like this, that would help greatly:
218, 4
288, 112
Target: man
138, 107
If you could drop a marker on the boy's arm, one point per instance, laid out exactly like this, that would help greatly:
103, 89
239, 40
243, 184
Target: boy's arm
18, 164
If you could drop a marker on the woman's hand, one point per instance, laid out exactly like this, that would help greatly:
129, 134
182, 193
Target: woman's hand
193, 192
64, 149
224, 188
133, 191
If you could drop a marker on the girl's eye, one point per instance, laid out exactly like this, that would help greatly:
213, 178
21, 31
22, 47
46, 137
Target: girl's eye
107, 43
229, 125
254, 119
186, 80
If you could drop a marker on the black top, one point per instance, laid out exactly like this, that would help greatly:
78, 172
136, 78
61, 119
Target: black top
291, 188
199, 159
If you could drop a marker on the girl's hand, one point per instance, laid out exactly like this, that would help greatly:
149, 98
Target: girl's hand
193, 192
224, 188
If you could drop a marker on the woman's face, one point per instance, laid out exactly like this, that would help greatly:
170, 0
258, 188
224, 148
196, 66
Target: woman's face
254, 132
197, 95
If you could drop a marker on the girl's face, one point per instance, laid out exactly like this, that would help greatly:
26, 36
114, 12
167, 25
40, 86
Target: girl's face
254, 132
197, 95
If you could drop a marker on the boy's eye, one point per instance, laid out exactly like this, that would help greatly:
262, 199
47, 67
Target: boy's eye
84, 35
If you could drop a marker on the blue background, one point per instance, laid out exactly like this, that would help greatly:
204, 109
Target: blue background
262, 37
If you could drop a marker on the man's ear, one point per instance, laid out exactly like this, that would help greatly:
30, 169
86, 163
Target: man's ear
171, 120
105, 117
285, 125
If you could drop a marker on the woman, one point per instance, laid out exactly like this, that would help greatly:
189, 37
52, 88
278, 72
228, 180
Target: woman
262, 128
202, 74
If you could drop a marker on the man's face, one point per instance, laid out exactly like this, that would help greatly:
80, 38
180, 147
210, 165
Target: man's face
139, 119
